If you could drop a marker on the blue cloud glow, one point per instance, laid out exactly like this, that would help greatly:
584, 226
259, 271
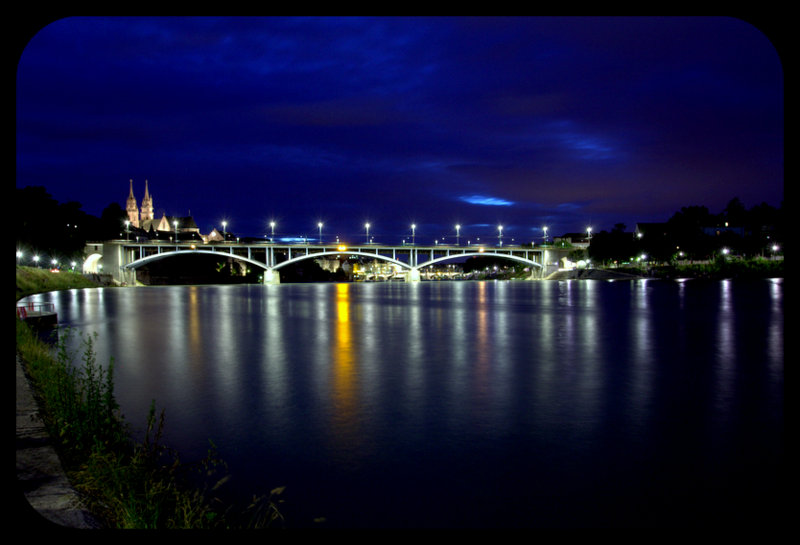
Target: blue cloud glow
485, 201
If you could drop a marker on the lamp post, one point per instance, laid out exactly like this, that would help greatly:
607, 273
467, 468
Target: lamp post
272, 231
224, 235
36, 260
413, 233
545, 234
320, 231
127, 230
366, 226
500, 235
19, 256
458, 234
175, 223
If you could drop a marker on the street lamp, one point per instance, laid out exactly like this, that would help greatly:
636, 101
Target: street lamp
175, 223
36, 260
458, 234
224, 235
19, 256
589, 234
545, 234
127, 229
272, 231
320, 231
500, 235
366, 226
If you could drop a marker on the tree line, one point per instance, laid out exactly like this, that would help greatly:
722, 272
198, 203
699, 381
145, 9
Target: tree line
694, 233
45, 226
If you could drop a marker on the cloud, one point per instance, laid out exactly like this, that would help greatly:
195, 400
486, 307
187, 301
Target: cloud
484, 200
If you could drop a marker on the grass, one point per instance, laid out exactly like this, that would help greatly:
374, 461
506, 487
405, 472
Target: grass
31, 280
125, 484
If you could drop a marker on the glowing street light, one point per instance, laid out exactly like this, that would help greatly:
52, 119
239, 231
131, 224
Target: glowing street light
458, 234
500, 235
589, 234
413, 232
175, 223
545, 234
320, 231
127, 229
366, 225
36, 260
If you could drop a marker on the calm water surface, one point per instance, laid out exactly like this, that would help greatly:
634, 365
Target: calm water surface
576, 403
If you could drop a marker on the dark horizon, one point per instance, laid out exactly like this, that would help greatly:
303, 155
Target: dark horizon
568, 122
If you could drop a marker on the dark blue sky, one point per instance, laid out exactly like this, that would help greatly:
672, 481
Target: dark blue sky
524, 122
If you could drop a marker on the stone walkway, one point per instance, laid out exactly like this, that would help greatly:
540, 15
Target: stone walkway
47, 501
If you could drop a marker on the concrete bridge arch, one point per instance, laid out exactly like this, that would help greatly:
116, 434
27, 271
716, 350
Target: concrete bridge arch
176, 253
302, 257
480, 254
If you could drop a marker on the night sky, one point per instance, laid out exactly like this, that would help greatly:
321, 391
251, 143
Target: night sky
521, 122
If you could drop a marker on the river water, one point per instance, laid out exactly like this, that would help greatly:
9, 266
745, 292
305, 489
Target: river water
464, 404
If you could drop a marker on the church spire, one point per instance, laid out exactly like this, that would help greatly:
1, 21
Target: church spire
147, 204
132, 209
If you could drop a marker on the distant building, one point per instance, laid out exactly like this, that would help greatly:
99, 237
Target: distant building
146, 225
144, 219
719, 230
576, 240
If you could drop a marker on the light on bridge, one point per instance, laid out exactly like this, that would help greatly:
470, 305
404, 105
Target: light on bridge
342, 248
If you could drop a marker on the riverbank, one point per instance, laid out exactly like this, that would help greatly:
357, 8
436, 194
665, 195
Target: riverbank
714, 270
46, 499
593, 274
76, 464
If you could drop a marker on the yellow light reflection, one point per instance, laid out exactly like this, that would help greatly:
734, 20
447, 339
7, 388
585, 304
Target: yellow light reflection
193, 326
344, 373
482, 355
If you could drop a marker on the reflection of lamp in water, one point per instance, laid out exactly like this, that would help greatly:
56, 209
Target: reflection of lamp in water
344, 376
342, 303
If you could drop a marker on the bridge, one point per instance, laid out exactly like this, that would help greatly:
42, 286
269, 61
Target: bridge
121, 258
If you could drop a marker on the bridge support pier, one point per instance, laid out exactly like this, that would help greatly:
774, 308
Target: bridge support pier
413, 275
272, 277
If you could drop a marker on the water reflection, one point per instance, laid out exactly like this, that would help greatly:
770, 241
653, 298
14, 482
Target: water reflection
344, 391
546, 394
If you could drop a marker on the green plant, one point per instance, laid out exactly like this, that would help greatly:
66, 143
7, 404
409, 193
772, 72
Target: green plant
124, 483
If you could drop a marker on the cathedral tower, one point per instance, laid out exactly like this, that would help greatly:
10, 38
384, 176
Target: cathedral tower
133, 209
147, 204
